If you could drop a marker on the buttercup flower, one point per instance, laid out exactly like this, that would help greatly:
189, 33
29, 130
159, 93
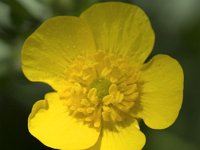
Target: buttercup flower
103, 86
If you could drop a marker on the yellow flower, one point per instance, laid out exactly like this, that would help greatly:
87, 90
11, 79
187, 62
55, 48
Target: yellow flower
103, 87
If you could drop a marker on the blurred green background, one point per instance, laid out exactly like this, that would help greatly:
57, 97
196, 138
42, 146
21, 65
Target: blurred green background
177, 27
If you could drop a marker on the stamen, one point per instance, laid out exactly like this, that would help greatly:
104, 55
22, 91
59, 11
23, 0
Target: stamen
101, 87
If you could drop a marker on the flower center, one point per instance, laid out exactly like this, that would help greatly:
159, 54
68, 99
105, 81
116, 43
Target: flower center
101, 87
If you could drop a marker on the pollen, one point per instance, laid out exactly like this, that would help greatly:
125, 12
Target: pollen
101, 88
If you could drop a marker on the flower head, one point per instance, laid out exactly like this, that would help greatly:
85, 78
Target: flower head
95, 64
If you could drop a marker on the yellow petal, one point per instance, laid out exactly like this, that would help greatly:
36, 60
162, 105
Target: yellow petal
161, 91
121, 28
48, 51
50, 123
123, 136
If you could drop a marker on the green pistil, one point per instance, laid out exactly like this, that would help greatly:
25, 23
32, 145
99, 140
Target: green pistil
102, 85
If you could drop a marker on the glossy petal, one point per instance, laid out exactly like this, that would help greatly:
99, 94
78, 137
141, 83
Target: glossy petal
161, 91
122, 29
50, 123
123, 136
48, 51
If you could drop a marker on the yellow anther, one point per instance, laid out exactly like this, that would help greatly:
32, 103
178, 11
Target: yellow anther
121, 81
107, 99
92, 94
130, 89
77, 88
115, 116
81, 110
105, 72
134, 77
90, 110
88, 119
86, 77
122, 107
106, 109
127, 106
118, 97
97, 123
84, 90
122, 87
113, 88
132, 96
115, 75
84, 102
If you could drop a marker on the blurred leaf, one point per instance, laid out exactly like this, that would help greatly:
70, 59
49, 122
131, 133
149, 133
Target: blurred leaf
162, 140
172, 14
190, 38
38, 9
4, 50
18, 13
27, 93
7, 33
5, 54
62, 7
5, 15
69, 7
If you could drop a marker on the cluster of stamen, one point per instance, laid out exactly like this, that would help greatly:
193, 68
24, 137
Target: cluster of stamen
101, 87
